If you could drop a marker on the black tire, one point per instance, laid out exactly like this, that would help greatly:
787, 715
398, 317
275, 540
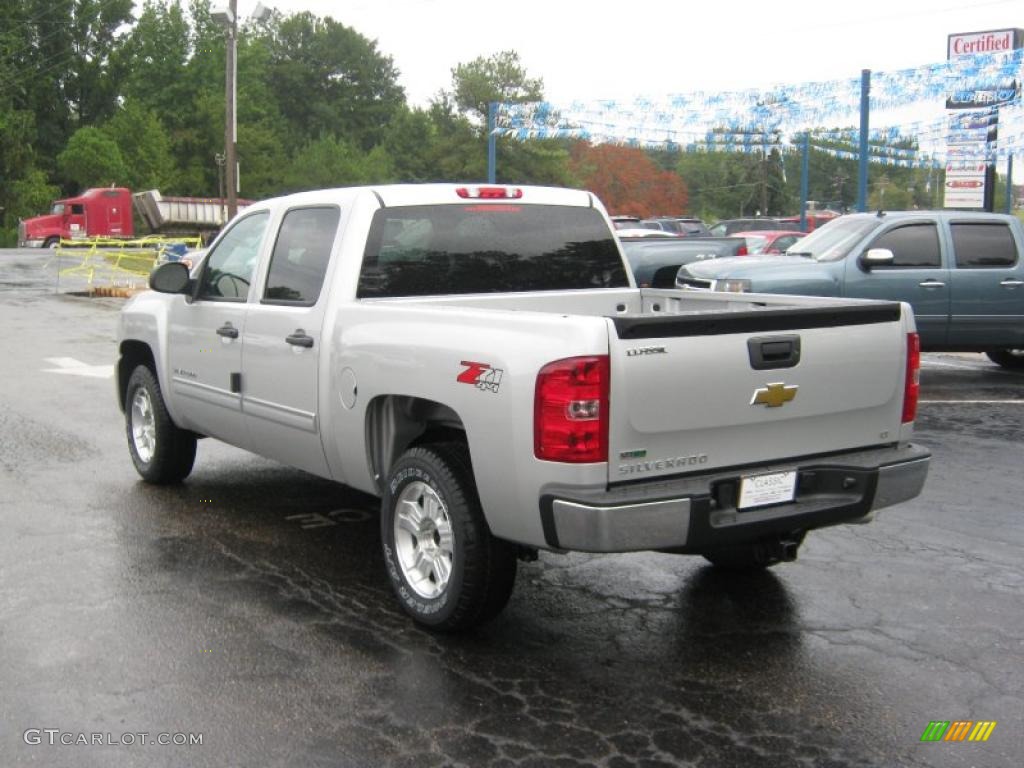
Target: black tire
482, 568
51, 242
1011, 359
754, 556
173, 450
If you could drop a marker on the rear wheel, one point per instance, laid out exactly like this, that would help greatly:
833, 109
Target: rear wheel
161, 452
447, 570
1013, 359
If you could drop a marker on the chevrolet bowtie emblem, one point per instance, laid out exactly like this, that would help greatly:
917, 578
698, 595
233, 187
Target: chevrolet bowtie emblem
774, 395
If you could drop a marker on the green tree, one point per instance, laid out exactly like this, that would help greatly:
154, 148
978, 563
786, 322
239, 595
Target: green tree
153, 59
30, 195
144, 146
331, 162
411, 141
92, 159
330, 80
498, 78
95, 29
461, 114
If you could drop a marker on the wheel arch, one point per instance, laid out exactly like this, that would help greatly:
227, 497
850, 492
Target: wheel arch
133, 353
395, 423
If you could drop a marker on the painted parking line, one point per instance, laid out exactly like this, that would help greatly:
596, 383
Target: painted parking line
72, 367
962, 366
970, 402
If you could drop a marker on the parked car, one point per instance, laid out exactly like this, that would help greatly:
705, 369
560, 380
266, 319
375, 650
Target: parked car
815, 219
625, 222
962, 272
692, 227
655, 261
769, 240
732, 226
642, 232
676, 225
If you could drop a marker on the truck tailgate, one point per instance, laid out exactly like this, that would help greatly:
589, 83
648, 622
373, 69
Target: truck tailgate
701, 391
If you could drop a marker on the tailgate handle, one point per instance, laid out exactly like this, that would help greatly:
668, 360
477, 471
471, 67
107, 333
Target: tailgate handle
767, 352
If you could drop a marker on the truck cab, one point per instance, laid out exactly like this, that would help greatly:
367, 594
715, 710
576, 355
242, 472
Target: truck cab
95, 213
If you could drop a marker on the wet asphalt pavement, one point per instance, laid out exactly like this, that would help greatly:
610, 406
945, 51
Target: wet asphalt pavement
250, 606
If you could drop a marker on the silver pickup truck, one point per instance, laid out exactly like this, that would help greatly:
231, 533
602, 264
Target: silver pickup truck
480, 358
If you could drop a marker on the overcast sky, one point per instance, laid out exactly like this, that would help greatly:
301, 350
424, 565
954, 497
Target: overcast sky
619, 50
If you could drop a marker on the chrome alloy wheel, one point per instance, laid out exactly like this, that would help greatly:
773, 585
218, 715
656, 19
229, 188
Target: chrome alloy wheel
143, 425
424, 540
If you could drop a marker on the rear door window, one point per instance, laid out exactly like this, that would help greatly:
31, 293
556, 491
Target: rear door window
488, 247
983, 244
301, 255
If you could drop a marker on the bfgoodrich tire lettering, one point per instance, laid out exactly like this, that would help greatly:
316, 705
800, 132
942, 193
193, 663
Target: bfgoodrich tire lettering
447, 570
161, 452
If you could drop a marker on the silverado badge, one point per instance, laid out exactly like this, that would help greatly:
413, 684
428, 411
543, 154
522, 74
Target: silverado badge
774, 395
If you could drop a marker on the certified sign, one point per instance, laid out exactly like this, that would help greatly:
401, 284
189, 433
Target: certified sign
990, 42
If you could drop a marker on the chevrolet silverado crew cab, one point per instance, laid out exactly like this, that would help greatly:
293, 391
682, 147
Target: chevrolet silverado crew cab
962, 272
481, 360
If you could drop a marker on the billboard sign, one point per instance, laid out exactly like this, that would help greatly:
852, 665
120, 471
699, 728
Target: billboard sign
990, 41
965, 185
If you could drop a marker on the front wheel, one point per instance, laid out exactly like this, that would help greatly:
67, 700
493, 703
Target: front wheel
447, 570
161, 452
1011, 359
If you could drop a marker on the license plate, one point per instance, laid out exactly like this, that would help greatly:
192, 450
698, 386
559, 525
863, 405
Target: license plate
759, 490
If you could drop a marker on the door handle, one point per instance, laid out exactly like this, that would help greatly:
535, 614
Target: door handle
1011, 282
300, 339
228, 331
932, 284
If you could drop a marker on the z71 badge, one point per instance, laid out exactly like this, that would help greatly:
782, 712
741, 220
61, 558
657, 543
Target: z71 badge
480, 375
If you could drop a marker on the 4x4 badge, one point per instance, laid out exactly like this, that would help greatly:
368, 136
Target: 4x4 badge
480, 375
774, 395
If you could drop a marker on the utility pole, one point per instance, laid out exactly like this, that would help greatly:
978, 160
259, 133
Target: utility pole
862, 165
230, 118
219, 160
764, 175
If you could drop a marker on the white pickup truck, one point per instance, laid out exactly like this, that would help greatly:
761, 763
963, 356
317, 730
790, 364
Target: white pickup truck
480, 358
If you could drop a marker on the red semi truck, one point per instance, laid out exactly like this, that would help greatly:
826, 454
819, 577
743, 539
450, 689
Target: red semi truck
107, 212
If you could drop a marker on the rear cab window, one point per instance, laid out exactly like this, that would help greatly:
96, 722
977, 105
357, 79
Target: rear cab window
429, 250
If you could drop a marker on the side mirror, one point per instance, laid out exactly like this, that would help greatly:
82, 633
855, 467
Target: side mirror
171, 277
876, 257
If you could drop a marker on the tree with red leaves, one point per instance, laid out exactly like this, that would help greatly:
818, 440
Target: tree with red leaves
627, 181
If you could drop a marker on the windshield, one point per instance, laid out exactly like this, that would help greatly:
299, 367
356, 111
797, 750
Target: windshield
832, 241
58, 208
450, 249
755, 243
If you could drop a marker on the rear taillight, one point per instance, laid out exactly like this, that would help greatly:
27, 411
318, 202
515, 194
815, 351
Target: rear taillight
742, 251
912, 383
489, 193
570, 410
